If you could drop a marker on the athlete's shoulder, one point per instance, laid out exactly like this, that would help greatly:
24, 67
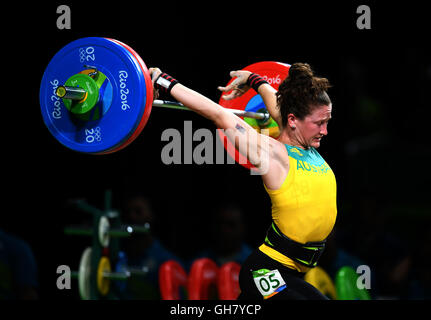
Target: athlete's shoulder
277, 149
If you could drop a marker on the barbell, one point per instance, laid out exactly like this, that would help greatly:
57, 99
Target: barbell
105, 232
103, 274
96, 96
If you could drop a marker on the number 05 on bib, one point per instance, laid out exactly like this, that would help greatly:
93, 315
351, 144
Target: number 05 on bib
269, 282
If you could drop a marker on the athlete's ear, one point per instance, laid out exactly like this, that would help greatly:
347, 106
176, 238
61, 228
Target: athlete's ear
291, 120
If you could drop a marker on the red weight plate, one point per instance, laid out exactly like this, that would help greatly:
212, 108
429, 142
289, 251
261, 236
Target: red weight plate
148, 101
271, 71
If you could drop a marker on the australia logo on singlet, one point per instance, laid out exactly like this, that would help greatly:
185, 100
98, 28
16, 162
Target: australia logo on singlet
296, 151
303, 165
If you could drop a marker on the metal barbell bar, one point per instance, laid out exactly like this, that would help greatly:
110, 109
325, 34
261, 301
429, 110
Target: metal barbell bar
104, 232
240, 113
75, 93
103, 274
123, 232
118, 275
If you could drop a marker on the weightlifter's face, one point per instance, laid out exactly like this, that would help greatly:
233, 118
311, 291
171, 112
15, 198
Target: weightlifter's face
314, 126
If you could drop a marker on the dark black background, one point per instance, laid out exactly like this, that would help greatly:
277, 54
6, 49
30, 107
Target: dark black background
199, 44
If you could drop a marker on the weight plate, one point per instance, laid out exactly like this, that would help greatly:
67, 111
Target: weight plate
120, 118
121, 266
84, 274
346, 285
274, 73
103, 282
149, 100
89, 101
105, 94
103, 231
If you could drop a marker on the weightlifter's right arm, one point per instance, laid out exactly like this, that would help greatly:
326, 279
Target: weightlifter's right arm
247, 140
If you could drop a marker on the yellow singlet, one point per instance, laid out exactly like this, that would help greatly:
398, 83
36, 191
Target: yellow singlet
305, 206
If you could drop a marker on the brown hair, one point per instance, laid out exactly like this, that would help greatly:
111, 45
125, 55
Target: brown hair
301, 91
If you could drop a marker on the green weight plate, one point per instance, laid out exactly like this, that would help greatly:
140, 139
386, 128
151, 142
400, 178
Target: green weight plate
89, 85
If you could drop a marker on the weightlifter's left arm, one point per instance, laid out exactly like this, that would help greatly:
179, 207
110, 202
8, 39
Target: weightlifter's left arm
241, 84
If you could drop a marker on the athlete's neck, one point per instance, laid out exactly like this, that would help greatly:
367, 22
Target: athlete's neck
289, 137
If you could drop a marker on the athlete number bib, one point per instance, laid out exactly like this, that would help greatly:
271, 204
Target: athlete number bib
268, 282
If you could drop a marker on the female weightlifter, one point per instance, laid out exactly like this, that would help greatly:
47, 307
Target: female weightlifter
300, 183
